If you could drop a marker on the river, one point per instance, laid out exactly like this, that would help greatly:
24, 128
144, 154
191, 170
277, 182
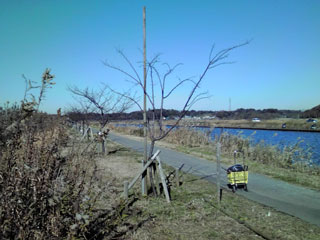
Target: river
309, 141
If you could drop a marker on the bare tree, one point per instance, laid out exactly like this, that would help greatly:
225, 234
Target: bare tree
79, 115
103, 102
158, 81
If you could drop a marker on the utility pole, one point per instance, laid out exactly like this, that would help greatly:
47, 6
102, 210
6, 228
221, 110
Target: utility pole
145, 158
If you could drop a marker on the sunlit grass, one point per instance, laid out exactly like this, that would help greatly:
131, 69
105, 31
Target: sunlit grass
261, 158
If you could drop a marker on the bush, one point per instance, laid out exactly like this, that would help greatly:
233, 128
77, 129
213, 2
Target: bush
49, 189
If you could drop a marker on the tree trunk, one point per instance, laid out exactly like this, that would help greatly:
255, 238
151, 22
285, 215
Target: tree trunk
151, 177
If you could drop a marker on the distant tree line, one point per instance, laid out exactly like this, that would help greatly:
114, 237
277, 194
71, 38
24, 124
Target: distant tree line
250, 113
311, 113
170, 114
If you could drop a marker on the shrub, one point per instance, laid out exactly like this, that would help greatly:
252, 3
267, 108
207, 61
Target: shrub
49, 189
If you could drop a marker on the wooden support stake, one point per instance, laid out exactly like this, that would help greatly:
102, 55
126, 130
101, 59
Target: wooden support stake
91, 134
177, 177
144, 169
103, 149
156, 179
163, 180
88, 133
151, 178
126, 190
106, 146
85, 133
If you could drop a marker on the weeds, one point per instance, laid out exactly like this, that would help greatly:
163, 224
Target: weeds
49, 189
290, 157
182, 136
194, 214
47, 194
293, 157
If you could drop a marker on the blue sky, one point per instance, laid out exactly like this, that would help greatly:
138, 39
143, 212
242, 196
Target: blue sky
280, 68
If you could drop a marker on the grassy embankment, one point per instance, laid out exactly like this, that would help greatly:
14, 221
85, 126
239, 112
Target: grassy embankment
291, 124
194, 212
272, 124
262, 159
54, 186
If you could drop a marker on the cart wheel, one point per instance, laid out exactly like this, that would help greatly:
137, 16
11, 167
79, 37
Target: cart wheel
234, 188
246, 188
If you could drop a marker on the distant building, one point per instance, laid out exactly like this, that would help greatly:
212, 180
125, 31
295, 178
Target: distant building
256, 120
208, 117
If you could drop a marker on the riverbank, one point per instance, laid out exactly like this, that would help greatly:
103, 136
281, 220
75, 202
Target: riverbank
272, 124
261, 159
293, 200
193, 212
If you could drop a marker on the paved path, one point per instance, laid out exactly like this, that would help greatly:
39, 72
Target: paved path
294, 200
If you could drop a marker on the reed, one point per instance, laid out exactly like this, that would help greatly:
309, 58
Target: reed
290, 157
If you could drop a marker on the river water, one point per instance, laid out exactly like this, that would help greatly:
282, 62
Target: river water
309, 141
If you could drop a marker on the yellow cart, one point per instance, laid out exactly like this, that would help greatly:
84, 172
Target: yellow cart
238, 177
238, 174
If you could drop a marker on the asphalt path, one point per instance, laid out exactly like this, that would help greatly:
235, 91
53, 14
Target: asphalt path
293, 200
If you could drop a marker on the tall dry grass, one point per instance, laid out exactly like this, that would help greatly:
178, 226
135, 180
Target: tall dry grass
183, 136
290, 157
49, 189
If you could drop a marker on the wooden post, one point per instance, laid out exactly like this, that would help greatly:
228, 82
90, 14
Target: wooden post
144, 168
163, 180
105, 145
151, 179
91, 134
218, 171
144, 161
126, 190
86, 132
82, 124
156, 178
103, 149
177, 177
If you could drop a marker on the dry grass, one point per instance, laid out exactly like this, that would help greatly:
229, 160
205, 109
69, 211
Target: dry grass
261, 158
51, 186
182, 136
291, 123
86, 202
193, 212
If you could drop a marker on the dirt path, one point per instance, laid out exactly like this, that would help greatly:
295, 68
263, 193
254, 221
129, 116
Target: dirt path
294, 200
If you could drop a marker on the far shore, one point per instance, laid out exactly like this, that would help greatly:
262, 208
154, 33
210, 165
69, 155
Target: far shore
300, 125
